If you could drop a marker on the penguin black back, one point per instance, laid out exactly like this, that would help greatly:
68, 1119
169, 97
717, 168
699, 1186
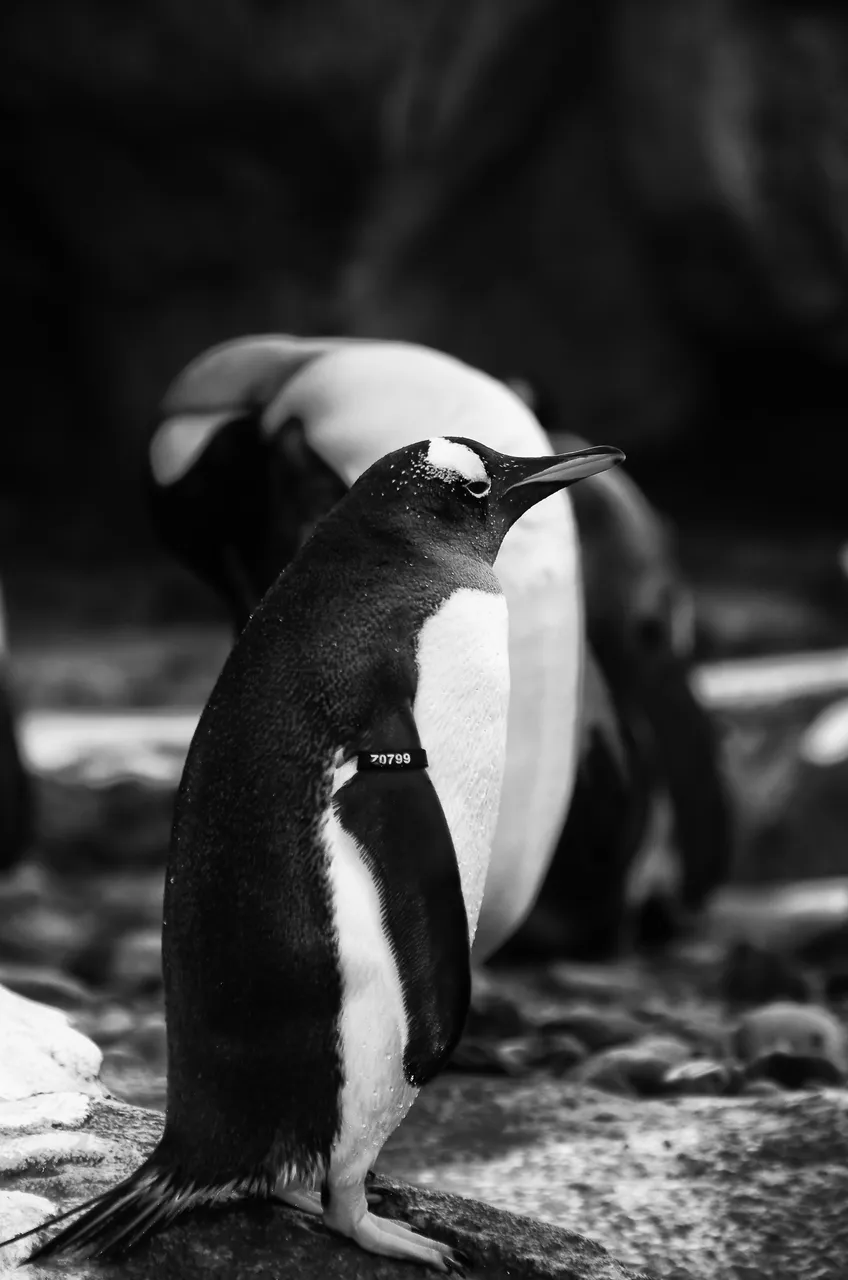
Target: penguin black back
232, 505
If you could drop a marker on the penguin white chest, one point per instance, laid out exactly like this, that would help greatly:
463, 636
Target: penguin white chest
461, 708
539, 570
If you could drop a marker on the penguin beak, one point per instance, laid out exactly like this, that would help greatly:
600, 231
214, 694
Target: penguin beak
529, 480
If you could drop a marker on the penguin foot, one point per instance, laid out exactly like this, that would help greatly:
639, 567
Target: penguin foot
310, 1201
346, 1214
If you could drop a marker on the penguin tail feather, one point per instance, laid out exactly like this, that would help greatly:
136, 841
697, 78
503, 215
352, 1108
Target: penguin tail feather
114, 1223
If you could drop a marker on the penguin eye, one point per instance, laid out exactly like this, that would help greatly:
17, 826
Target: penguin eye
478, 488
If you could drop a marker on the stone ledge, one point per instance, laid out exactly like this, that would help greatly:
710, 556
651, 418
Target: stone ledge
249, 1239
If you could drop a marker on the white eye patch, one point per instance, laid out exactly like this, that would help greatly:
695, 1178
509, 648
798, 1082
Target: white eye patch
180, 441
450, 460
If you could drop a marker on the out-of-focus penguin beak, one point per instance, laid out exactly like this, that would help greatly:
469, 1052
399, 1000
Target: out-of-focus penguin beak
529, 480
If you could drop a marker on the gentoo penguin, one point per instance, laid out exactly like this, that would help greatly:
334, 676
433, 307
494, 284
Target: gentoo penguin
324, 410
583, 908
640, 619
330, 848
641, 627
16, 802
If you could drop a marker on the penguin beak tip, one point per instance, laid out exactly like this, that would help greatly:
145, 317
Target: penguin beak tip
567, 469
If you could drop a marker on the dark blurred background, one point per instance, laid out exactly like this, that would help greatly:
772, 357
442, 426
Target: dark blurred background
640, 206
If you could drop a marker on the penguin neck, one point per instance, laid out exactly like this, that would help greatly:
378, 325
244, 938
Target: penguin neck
411, 538
422, 535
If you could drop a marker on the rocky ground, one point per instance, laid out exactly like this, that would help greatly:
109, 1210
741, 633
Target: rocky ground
686, 1112
631, 1105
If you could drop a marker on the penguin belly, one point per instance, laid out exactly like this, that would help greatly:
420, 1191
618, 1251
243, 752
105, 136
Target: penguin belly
375, 1095
461, 708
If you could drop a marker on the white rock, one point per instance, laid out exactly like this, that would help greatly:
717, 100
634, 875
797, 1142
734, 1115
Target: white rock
32, 1115
825, 741
19, 1212
42, 1053
34, 1151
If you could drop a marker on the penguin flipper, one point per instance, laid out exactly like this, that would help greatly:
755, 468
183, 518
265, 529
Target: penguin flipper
584, 889
688, 749
398, 822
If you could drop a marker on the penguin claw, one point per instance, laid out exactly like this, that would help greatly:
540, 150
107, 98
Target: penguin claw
395, 1240
453, 1260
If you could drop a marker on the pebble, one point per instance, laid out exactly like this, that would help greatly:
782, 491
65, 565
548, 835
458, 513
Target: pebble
795, 1070
556, 1053
760, 1089
516, 1055
638, 1068
702, 1077
556, 1044
596, 1029
806, 1031
490, 1056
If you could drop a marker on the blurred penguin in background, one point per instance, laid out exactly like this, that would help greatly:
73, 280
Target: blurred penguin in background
16, 811
640, 618
259, 437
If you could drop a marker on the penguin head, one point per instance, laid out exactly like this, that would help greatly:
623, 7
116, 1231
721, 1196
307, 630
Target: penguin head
451, 489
